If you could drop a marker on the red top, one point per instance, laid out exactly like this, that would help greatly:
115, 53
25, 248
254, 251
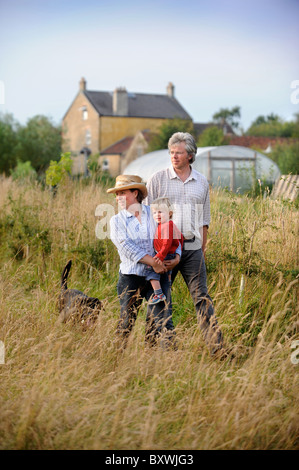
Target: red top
167, 239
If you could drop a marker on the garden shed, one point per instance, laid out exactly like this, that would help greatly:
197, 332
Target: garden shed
230, 166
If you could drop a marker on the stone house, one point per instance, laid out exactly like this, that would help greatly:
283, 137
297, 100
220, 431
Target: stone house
116, 125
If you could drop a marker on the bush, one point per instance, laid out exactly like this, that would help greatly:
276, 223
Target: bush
212, 136
21, 232
287, 158
58, 171
23, 171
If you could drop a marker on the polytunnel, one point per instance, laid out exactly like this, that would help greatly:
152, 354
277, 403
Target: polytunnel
230, 166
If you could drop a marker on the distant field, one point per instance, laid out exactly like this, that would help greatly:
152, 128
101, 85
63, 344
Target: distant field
62, 388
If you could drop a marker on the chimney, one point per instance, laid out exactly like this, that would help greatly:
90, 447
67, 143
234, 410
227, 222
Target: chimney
82, 84
170, 90
120, 103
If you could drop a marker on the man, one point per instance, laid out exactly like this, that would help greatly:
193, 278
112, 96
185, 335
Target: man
188, 191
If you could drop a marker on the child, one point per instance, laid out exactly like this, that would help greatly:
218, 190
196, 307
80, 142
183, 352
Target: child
166, 241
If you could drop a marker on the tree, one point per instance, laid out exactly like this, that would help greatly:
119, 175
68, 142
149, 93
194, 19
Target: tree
160, 140
8, 143
229, 116
39, 142
23, 172
212, 136
274, 126
287, 157
58, 171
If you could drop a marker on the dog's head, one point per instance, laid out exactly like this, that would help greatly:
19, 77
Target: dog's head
90, 313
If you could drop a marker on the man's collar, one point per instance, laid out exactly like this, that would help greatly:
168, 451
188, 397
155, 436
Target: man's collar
173, 174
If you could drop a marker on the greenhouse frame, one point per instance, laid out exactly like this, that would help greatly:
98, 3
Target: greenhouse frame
227, 166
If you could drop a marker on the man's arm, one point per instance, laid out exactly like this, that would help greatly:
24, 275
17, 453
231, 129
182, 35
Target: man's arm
171, 263
204, 238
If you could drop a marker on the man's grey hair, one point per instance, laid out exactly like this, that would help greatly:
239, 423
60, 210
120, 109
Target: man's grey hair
189, 140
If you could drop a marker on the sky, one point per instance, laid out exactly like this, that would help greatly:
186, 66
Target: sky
217, 53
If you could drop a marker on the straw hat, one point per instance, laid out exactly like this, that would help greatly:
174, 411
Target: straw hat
124, 182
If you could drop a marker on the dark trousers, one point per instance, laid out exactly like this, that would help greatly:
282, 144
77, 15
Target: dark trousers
131, 291
193, 269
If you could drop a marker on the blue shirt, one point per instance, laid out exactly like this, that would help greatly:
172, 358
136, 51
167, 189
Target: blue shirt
134, 240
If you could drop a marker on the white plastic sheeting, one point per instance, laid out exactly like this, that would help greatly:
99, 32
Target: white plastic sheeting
229, 166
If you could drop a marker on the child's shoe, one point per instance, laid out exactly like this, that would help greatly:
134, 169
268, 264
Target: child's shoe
156, 298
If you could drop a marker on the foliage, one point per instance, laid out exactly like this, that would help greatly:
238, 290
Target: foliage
23, 171
93, 165
58, 171
21, 231
98, 175
231, 116
64, 388
38, 142
287, 157
8, 142
212, 136
274, 126
160, 140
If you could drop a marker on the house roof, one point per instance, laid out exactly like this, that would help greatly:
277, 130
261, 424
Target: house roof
140, 105
118, 147
124, 144
258, 141
199, 127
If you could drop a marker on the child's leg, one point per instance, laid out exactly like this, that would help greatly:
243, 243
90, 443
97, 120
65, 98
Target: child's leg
155, 284
158, 295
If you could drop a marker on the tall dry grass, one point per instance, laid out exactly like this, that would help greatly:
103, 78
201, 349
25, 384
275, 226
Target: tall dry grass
62, 388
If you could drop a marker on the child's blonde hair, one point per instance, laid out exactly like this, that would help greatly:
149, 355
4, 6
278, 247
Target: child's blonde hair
162, 202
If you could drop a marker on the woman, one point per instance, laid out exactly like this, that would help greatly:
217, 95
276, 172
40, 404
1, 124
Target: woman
132, 232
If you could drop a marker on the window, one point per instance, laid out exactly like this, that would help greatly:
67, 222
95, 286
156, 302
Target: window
87, 137
84, 113
105, 165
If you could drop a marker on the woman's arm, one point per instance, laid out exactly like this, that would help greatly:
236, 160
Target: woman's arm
150, 261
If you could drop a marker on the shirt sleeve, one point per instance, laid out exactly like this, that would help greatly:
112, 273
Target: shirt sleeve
206, 219
126, 247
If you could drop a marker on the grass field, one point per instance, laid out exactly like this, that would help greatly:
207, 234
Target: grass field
63, 388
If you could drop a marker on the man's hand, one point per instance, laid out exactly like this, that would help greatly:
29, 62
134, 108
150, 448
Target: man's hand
171, 263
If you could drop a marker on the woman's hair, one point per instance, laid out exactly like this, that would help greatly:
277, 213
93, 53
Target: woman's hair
139, 195
189, 140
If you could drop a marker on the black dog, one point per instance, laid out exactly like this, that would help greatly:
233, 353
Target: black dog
74, 305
